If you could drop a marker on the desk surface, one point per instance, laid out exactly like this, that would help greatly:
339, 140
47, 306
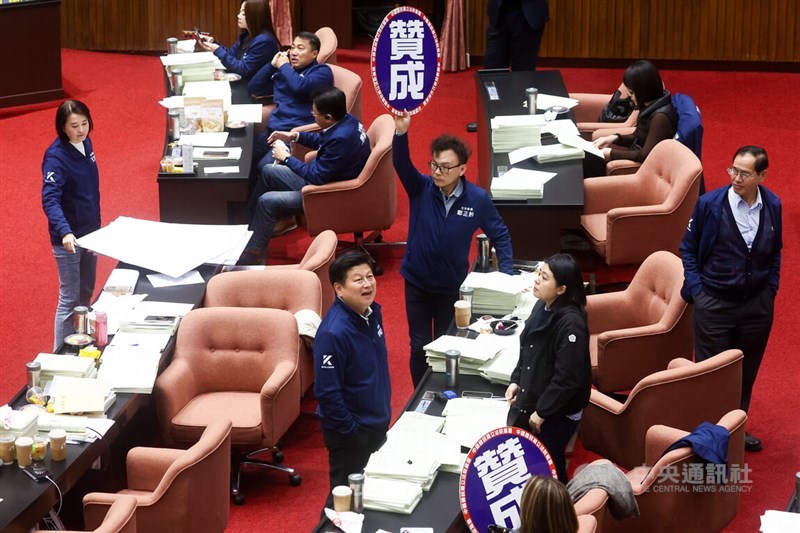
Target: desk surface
26, 501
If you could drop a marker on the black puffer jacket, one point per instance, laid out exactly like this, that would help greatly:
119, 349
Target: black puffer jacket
554, 370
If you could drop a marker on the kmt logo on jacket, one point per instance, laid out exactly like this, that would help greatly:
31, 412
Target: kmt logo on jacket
465, 212
326, 361
380, 331
50, 177
91, 156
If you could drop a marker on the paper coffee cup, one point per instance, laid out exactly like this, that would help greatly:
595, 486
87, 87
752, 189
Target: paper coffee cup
463, 311
58, 444
24, 446
341, 498
7, 449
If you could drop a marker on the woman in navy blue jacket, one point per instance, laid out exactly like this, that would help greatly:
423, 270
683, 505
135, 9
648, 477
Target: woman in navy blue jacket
256, 45
553, 379
71, 201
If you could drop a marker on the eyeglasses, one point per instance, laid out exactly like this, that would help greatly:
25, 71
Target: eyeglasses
434, 166
733, 172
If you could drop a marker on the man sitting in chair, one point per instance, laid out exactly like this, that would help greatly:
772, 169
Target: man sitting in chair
342, 151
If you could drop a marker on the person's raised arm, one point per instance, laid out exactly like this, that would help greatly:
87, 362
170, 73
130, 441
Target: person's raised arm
411, 179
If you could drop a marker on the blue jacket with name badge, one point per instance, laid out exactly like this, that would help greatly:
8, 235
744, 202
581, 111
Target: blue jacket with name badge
352, 371
70, 190
436, 257
247, 61
342, 151
292, 90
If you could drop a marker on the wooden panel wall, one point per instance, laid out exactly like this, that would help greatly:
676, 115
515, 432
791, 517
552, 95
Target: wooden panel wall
697, 30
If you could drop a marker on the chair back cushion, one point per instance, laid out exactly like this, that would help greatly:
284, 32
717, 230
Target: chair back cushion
328, 43
655, 290
318, 259
350, 84
288, 289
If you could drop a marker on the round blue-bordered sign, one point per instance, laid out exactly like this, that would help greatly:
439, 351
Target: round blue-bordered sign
495, 473
405, 60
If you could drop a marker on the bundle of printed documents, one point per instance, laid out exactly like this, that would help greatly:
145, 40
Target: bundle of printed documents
510, 132
131, 369
80, 395
403, 464
474, 352
495, 293
549, 153
393, 495
54, 364
199, 66
502, 365
121, 281
469, 419
154, 317
419, 434
18, 423
520, 184
84, 428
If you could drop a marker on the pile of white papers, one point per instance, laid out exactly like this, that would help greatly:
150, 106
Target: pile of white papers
549, 153
495, 293
129, 369
418, 434
402, 464
121, 281
502, 365
780, 522
468, 419
546, 101
65, 365
520, 183
79, 395
474, 352
577, 141
19, 423
154, 317
199, 66
510, 132
391, 495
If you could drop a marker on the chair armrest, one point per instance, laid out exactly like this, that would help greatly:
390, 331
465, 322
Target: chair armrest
657, 440
590, 106
280, 267
619, 167
678, 363
96, 506
604, 311
173, 390
603, 194
606, 403
278, 380
146, 466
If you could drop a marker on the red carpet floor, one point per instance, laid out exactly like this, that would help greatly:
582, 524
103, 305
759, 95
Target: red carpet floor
122, 91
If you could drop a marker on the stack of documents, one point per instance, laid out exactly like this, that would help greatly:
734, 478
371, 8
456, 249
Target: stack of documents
199, 66
502, 365
80, 395
468, 419
403, 464
131, 369
65, 365
474, 352
418, 434
121, 281
546, 101
520, 184
510, 132
20, 423
550, 153
495, 293
75, 426
154, 317
391, 495
576, 141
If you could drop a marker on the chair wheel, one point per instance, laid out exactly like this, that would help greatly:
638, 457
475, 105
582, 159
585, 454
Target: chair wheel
277, 456
238, 499
294, 480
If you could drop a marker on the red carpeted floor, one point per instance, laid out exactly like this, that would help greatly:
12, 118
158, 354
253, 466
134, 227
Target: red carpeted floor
122, 91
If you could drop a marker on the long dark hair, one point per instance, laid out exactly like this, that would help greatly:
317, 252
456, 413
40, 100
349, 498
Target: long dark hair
567, 272
259, 19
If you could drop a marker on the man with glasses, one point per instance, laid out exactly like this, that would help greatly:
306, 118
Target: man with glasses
342, 151
732, 260
445, 211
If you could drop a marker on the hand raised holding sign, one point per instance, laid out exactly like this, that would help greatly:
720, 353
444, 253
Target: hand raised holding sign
402, 122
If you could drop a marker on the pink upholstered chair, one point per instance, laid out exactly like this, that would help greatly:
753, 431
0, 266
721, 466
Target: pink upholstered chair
366, 203
638, 331
292, 290
120, 518
327, 45
588, 111
318, 259
235, 363
682, 396
174, 490
627, 218
666, 502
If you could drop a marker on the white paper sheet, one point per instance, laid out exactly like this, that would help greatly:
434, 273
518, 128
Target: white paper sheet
162, 280
545, 101
211, 139
245, 112
221, 170
579, 142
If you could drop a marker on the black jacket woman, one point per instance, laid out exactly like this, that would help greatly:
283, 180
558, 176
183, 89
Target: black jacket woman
553, 378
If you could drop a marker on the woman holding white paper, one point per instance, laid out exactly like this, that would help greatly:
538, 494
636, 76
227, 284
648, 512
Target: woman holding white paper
256, 44
553, 379
71, 202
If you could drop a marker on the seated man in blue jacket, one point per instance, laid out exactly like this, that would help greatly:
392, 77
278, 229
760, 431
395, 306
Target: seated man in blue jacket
294, 77
342, 150
445, 211
352, 369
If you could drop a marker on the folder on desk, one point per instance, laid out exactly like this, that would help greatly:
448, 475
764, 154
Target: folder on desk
54, 364
391, 495
78, 395
519, 183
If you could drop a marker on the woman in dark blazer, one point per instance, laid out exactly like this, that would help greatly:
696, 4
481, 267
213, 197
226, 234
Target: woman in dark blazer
553, 378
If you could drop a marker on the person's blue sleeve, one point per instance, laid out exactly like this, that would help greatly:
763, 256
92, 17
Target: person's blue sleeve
330, 363
310, 139
689, 248
301, 87
495, 228
326, 166
413, 182
54, 176
261, 82
775, 264
255, 56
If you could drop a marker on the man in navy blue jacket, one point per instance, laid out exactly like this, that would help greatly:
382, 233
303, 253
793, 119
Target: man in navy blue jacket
514, 33
342, 151
352, 369
732, 261
295, 77
445, 211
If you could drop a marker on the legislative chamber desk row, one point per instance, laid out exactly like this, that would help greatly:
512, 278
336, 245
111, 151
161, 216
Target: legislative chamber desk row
535, 224
26, 501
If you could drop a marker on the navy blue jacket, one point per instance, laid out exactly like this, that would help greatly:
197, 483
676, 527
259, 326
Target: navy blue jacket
342, 151
247, 61
70, 190
703, 230
352, 371
292, 90
436, 257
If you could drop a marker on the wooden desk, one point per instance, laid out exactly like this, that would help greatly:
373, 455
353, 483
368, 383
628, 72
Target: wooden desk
535, 224
26, 501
